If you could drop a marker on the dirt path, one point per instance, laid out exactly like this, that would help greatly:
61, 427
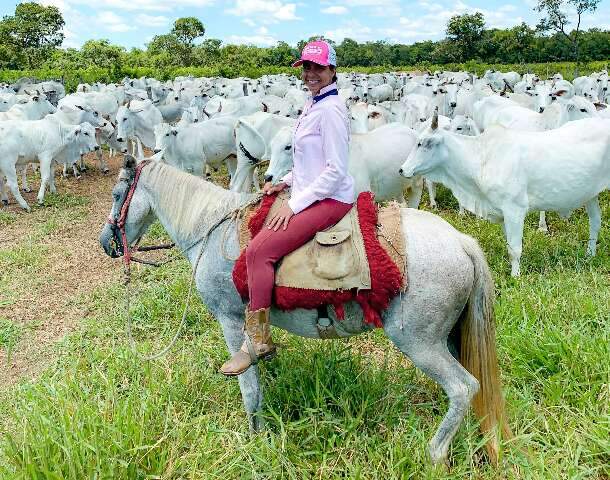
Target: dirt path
49, 305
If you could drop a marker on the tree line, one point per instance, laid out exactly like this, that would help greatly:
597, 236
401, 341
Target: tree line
32, 37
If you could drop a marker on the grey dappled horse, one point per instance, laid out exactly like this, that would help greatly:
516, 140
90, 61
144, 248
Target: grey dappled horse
450, 287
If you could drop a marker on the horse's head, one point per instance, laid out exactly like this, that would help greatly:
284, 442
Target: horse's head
130, 215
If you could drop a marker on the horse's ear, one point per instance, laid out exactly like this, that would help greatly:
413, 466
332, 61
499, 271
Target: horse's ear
129, 162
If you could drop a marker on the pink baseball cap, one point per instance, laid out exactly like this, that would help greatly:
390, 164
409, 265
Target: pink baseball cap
319, 52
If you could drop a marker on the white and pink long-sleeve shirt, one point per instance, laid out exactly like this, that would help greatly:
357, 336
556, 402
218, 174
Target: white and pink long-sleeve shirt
320, 148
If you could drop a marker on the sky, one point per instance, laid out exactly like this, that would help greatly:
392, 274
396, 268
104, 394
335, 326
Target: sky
133, 23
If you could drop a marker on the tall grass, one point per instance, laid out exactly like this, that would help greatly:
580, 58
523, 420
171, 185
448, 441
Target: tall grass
338, 409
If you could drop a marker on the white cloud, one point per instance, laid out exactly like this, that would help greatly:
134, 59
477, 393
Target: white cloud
113, 22
267, 11
142, 5
335, 10
151, 20
352, 29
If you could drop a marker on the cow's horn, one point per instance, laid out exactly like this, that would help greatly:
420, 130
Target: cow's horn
434, 124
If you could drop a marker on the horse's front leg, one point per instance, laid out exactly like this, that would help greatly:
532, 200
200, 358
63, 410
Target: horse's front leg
249, 381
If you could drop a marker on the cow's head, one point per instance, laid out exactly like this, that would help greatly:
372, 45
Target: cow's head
429, 153
165, 135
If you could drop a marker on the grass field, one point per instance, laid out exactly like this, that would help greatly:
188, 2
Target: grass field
346, 409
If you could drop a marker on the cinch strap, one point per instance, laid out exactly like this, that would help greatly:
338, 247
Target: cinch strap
334, 91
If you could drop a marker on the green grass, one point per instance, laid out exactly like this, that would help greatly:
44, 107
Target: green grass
332, 411
7, 218
10, 334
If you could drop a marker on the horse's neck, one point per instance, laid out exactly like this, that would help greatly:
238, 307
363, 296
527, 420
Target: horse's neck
187, 206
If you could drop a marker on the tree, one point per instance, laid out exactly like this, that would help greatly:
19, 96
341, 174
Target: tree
464, 32
187, 29
34, 30
101, 53
557, 19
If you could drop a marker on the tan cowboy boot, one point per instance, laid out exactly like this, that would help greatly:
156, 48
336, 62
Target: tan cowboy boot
257, 346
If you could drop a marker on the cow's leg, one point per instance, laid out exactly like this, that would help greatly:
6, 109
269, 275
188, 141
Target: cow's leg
100, 155
52, 187
415, 192
542, 226
64, 171
431, 193
231, 161
24, 179
3, 195
595, 221
208, 172
513, 229
11, 181
83, 165
45, 172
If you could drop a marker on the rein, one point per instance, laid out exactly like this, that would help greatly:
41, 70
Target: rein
118, 227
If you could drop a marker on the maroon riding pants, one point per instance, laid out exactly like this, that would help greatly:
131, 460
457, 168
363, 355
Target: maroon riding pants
269, 246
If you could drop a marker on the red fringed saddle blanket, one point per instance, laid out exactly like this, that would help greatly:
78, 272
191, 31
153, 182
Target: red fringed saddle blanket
384, 250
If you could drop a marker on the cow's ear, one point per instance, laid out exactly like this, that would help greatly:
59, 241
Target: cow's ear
129, 162
374, 115
561, 93
80, 107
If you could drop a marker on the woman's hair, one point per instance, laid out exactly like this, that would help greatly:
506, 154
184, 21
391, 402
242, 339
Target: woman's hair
332, 67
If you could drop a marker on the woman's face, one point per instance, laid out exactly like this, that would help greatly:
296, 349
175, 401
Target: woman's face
316, 76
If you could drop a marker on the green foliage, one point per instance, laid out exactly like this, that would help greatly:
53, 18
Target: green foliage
557, 20
187, 29
32, 33
464, 34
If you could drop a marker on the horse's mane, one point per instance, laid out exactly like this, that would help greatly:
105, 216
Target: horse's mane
189, 201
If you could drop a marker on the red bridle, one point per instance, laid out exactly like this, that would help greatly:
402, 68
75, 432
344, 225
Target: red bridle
120, 222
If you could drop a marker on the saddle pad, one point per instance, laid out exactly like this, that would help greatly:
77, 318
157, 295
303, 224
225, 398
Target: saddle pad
335, 259
385, 252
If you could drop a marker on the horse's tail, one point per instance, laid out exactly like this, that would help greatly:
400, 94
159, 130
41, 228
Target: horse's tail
478, 350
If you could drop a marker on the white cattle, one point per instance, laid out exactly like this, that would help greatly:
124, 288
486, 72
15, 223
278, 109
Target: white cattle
35, 109
587, 87
418, 108
253, 135
39, 141
501, 175
379, 93
372, 158
364, 118
445, 98
137, 120
193, 147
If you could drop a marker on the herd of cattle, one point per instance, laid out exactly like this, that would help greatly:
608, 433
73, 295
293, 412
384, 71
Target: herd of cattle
504, 144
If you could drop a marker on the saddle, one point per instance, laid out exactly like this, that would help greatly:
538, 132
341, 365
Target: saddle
361, 258
335, 259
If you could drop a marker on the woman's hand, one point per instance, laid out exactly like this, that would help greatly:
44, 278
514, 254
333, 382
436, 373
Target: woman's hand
283, 215
269, 188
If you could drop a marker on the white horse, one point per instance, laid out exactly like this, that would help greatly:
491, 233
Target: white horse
450, 292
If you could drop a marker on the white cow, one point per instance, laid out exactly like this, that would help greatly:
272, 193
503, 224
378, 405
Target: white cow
137, 120
253, 135
372, 158
501, 175
193, 147
35, 109
39, 141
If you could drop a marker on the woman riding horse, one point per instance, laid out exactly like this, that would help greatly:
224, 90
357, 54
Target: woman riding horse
322, 192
